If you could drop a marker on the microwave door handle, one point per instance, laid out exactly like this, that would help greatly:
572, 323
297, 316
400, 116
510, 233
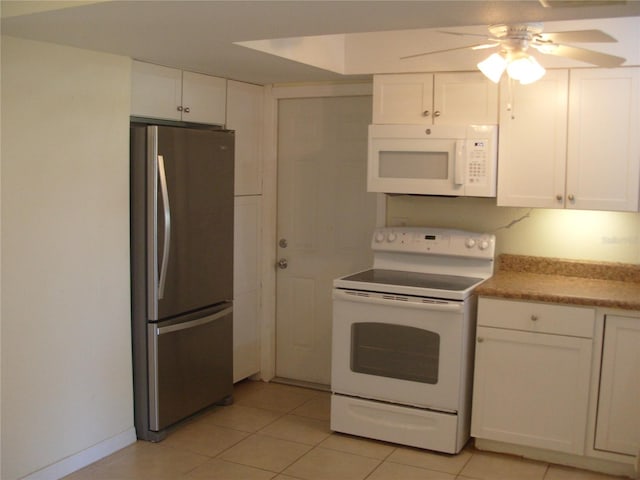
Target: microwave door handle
459, 163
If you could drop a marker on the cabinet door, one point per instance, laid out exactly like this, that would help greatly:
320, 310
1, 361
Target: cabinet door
156, 91
531, 389
246, 287
404, 98
533, 142
244, 115
618, 421
464, 98
603, 155
204, 98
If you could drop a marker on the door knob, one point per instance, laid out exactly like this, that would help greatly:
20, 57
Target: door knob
282, 263
283, 243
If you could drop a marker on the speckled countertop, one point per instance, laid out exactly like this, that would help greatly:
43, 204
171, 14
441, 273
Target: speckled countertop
600, 284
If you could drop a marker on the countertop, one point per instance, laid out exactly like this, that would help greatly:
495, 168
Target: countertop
576, 282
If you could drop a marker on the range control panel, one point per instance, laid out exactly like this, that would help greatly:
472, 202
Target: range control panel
434, 241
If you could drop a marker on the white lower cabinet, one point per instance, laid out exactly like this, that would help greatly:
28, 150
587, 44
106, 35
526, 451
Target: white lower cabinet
246, 287
532, 374
618, 419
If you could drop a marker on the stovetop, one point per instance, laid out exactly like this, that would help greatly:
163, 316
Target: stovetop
413, 279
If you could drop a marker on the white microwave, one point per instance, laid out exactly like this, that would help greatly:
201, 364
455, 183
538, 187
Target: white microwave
433, 160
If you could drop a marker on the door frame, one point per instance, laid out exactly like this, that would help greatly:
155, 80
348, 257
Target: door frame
272, 95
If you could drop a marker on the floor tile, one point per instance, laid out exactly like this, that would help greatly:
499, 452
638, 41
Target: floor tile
216, 469
204, 438
265, 452
565, 473
395, 471
488, 466
358, 446
145, 460
325, 464
318, 407
239, 417
276, 397
298, 429
441, 462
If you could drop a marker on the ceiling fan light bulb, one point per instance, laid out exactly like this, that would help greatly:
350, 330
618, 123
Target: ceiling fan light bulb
525, 69
493, 67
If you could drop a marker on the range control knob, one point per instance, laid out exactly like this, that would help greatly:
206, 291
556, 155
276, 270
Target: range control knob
470, 243
391, 237
484, 244
379, 237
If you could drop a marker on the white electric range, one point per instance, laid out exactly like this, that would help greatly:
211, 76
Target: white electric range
402, 342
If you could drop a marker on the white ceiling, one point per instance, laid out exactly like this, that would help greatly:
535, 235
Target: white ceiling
201, 35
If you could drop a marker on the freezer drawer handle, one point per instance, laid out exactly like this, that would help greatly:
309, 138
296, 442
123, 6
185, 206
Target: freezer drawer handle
167, 226
195, 323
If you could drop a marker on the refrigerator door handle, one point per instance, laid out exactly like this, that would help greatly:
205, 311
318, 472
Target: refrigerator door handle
167, 226
194, 323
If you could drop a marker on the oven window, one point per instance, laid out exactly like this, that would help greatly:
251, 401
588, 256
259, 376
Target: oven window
395, 351
418, 165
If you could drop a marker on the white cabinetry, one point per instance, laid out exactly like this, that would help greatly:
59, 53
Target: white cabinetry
246, 287
532, 374
533, 142
171, 94
245, 115
618, 419
443, 99
593, 164
603, 151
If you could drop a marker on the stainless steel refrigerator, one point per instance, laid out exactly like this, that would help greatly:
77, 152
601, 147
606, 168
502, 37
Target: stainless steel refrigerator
182, 272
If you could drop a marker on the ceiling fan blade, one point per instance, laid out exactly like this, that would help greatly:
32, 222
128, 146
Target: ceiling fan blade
594, 36
472, 47
584, 55
461, 34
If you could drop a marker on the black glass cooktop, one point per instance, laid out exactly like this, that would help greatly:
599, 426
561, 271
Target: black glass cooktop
412, 279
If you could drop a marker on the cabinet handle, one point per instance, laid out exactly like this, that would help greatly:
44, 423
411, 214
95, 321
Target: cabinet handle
187, 109
179, 108
534, 318
480, 339
436, 113
559, 197
426, 113
571, 197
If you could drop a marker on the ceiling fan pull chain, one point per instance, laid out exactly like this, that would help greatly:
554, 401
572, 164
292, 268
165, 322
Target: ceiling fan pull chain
510, 103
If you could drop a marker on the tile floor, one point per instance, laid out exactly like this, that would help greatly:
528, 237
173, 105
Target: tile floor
275, 431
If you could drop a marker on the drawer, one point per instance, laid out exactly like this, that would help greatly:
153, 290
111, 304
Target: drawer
537, 317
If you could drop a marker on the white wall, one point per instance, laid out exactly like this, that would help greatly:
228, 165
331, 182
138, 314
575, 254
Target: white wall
66, 350
573, 234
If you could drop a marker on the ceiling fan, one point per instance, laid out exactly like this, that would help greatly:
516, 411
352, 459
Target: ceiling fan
514, 40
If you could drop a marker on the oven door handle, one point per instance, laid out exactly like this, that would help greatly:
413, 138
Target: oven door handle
375, 300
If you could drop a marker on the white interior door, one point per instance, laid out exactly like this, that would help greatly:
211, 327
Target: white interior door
325, 221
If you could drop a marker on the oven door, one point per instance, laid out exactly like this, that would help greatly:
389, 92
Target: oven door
399, 349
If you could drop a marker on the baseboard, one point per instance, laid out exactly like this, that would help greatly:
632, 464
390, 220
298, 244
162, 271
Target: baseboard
85, 457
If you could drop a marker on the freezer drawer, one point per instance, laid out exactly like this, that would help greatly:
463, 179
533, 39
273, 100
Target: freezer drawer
190, 366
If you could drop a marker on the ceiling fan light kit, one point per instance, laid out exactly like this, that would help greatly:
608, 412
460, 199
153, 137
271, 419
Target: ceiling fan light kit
520, 66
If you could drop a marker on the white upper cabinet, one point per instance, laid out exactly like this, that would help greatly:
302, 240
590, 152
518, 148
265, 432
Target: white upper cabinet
171, 94
533, 142
603, 154
618, 421
443, 99
571, 140
245, 116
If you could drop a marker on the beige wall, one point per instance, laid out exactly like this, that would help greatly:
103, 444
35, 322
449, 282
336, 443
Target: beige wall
66, 361
604, 236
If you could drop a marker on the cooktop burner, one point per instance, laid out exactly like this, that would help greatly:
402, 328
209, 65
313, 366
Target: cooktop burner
412, 279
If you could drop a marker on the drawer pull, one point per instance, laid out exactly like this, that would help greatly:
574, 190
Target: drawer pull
480, 339
534, 318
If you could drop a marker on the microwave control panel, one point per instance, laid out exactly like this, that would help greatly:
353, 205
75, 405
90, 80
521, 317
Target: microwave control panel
477, 160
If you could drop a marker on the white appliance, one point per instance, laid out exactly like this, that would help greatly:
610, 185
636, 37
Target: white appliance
433, 160
403, 334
